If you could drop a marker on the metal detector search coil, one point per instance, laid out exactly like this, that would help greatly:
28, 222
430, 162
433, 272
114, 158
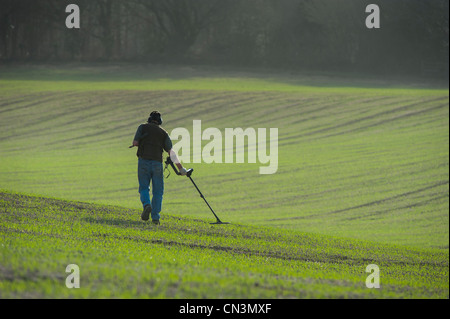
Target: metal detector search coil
188, 174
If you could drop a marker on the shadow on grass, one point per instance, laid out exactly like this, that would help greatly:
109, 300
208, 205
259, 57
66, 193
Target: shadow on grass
115, 221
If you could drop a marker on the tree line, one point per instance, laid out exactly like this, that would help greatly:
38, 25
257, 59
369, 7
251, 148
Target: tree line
293, 34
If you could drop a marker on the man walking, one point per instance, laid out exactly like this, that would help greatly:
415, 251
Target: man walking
151, 139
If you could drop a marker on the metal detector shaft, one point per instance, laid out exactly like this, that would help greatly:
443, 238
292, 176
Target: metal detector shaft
201, 195
188, 174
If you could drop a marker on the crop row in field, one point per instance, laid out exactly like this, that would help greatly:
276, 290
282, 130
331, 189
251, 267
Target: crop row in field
369, 164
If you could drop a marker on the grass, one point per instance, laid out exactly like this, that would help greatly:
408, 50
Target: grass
362, 177
157, 77
120, 256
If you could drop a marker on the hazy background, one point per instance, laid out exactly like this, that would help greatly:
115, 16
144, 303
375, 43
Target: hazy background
308, 35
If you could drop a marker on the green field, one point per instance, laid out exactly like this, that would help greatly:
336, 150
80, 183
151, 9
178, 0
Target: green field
120, 256
362, 179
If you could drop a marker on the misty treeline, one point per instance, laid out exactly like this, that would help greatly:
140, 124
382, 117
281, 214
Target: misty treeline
297, 34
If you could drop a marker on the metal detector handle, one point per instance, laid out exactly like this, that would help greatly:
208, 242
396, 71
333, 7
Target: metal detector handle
170, 162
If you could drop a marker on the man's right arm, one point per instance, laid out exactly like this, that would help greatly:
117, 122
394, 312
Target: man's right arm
167, 143
168, 149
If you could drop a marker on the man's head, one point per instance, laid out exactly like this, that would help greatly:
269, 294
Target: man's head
155, 117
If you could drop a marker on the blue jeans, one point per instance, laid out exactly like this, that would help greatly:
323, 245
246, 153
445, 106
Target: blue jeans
151, 171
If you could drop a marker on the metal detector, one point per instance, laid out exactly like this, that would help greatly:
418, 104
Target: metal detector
188, 174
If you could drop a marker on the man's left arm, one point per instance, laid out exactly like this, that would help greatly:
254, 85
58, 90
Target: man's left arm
137, 136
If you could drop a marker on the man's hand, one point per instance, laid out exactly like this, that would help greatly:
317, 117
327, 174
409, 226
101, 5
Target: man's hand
183, 171
135, 143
